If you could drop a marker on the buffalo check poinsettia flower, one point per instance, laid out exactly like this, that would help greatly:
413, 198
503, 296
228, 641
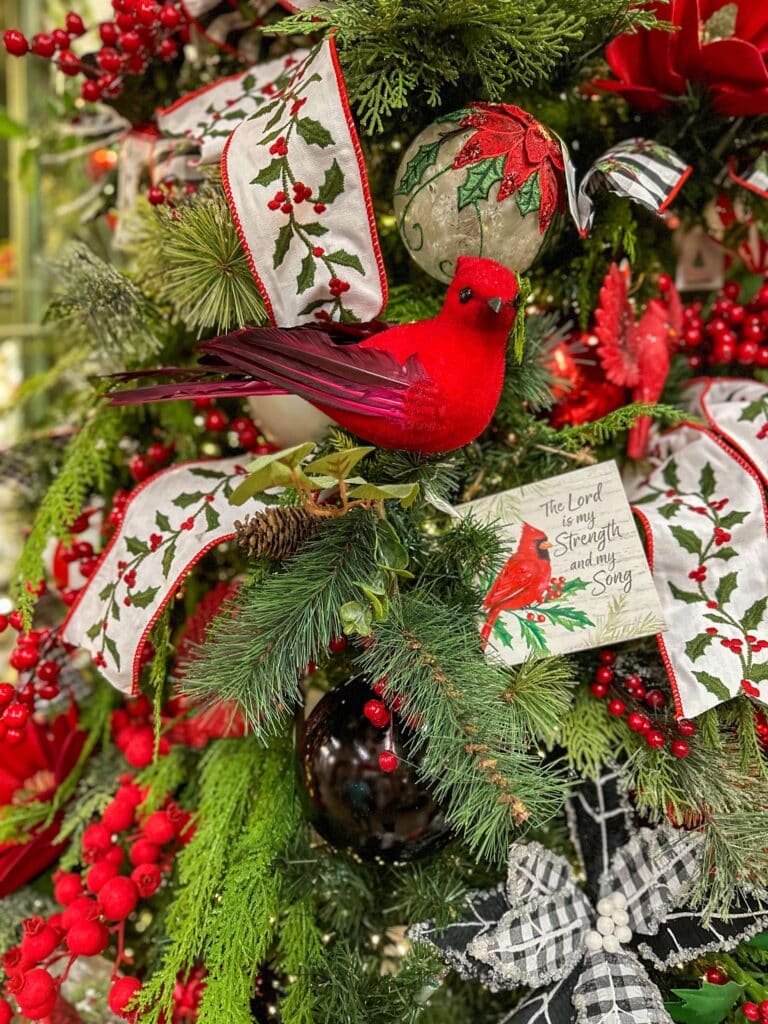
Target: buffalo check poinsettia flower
580, 949
530, 152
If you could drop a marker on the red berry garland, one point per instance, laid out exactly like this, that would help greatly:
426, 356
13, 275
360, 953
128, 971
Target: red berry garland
729, 332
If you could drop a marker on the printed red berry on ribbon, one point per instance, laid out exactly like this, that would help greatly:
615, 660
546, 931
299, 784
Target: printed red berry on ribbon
170, 522
704, 512
296, 183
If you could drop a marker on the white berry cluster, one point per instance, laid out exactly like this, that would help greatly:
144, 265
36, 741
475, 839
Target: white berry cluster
612, 929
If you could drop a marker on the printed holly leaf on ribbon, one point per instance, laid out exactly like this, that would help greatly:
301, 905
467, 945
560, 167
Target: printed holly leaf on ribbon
144, 598
111, 646
688, 596
136, 546
698, 646
724, 553
670, 476
753, 616
669, 511
212, 518
169, 554
713, 685
342, 258
207, 474
480, 179
332, 186
162, 521
269, 173
282, 245
314, 228
732, 519
709, 1004
528, 197
686, 539
313, 132
188, 498
753, 410
417, 167
306, 277
726, 587
757, 674
707, 481
93, 631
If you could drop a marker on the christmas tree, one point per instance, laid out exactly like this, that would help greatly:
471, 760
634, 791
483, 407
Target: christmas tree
389, 636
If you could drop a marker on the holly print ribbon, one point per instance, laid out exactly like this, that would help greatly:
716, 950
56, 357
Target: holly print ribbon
170, 522
737, 409
296, 183
704, 512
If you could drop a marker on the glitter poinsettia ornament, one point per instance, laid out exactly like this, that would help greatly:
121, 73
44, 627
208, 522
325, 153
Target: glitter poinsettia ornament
582, 948
718, 46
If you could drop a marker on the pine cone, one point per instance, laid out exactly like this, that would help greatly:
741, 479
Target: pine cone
276, 533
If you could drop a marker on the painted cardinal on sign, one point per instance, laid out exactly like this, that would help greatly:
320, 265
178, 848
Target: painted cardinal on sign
636, 355
522, 582
430, 386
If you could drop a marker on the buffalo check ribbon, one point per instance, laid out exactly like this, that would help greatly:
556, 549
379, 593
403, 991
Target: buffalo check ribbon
169, 523
704, 512
296, 183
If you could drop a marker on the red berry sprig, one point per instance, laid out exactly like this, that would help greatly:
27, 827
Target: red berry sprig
634, 702
729, 332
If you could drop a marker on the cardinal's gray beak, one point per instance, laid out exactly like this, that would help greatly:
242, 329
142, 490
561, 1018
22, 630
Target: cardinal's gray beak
496, 305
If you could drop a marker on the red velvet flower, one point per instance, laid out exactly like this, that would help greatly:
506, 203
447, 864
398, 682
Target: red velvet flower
32, 770
527, 149
582, 391
727, 56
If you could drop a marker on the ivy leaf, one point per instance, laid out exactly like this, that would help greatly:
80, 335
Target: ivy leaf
144, 598
417, 167
162, 521
686, 539
346, 259
288, 456
696, 647
732, 519
282, 245
390, 551
528, 197
707, 481
269, 173
332, 186
313, 132
709, 1004
188, 498
339, 464
276, 469
753, 616
306, 277
356, 619
405, 493
669, 475
713, 685
136, 546
111, 646
726, 587
688, 596
480, 179
212, 518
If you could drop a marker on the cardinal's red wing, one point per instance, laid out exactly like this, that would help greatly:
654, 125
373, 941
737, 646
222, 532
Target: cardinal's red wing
513, 580
304, 362
614, 328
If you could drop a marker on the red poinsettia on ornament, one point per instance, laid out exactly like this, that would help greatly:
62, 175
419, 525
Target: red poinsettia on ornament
532, 157
32, 770
720, 46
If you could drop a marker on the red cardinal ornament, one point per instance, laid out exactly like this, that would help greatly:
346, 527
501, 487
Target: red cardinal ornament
522, 582
429, 386
636, 355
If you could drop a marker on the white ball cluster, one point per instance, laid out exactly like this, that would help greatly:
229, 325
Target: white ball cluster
612, 926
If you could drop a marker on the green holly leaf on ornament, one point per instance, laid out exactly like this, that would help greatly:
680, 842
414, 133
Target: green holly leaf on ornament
528, 196
480, 179
709, 1004
417, 167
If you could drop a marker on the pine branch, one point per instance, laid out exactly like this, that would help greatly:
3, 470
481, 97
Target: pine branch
471, 746
257, 656
192, 261
603, 430
302, 957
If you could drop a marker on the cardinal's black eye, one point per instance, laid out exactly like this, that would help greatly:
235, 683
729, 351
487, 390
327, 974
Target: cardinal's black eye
465, 295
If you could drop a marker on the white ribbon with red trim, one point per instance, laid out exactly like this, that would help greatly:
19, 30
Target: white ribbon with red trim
737, 409
704, 511
296, 183
170, 522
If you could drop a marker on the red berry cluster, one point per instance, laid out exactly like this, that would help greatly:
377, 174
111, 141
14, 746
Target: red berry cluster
169, 191
338, 287
729, 332
142, 30
98, 901
753, 1011
715, 976
380, 716
38, 657
142, 466
631, 699
248, 434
